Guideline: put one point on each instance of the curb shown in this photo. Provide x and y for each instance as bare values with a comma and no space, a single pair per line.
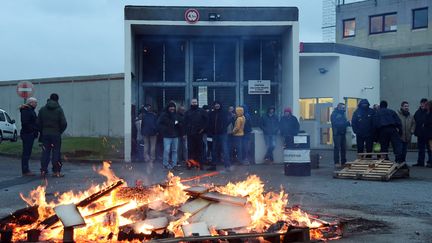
69,160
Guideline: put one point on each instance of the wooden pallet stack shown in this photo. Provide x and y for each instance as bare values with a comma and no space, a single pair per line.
372,166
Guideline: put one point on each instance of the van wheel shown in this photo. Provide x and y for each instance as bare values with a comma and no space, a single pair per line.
1,137
15,137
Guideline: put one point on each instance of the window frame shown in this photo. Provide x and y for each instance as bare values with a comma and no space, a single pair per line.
343,28
2,117
383,18
413,18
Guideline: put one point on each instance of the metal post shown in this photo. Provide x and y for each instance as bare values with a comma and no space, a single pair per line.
68,235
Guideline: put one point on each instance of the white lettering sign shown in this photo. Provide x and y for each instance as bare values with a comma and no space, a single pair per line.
297,156
259,87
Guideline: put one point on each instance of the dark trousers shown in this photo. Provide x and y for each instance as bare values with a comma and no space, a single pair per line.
27,142
195,147
423,146
246,147
364,142
289,141
404,149
237,145
220,150
339,142
51,145
389,135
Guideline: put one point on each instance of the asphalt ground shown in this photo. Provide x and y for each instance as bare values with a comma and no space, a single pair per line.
395,211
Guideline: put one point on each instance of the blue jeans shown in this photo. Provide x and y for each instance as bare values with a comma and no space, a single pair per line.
270,141
51,145
170,145
339,142
220,150
27,142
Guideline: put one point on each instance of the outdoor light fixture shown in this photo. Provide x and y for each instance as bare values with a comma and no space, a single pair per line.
322,70
214,16
368,87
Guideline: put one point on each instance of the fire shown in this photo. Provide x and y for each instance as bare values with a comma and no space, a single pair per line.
105,216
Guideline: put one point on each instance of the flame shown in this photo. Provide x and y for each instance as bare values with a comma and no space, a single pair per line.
265,209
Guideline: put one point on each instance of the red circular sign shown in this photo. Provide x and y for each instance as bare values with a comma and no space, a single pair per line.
192,16
25,89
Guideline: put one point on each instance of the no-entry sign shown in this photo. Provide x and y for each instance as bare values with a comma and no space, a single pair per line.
25,89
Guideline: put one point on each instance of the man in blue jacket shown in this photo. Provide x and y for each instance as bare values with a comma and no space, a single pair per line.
362,124
339,125
270,127
389,128
149,132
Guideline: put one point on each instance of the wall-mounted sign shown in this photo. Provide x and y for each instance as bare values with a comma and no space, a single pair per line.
192,16
259,87
202,95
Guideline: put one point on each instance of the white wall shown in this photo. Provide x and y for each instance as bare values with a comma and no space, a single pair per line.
93,105
356,73
313,83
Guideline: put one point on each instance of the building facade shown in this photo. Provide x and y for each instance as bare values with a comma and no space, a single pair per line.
401,31
210,53
329,74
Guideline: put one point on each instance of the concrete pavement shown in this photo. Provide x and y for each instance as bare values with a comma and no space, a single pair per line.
396,211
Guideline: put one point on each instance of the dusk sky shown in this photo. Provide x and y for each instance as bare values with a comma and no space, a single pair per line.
53,38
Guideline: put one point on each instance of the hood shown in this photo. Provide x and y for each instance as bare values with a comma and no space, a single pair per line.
25,107
271,107
52,105
239,111
363,102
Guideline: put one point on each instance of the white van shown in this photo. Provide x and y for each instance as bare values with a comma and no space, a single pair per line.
8,130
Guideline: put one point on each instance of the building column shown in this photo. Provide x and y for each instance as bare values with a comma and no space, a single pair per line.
128,92
291,69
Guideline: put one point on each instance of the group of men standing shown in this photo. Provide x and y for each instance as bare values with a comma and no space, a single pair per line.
47,125
384,126
223,134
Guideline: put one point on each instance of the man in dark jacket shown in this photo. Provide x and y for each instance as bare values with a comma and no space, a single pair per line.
289,127
389,129
422,143
339,125
29,131
149,133
170,128
362,125
217,129
52,123
195,121
270,127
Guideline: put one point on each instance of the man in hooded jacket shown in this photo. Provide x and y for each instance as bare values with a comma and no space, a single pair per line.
339,124
195,121
362,125
289,127
422,144
52,123
169,125
219,120
270,127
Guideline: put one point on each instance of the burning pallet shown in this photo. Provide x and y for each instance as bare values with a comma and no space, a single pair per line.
372,166
167,212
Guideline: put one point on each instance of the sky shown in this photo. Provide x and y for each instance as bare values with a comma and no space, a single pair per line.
54,38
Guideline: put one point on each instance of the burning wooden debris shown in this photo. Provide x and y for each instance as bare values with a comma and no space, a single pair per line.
167,212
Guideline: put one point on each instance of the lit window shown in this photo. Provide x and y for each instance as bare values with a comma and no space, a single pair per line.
349,28
307,109
420,18
383,23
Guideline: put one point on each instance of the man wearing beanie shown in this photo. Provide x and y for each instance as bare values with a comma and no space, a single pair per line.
52,123
29,132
